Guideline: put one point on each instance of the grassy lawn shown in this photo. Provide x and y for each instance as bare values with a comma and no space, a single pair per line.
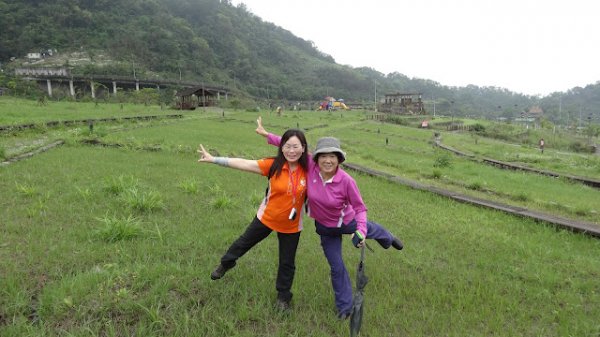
107,241
15,111
528,155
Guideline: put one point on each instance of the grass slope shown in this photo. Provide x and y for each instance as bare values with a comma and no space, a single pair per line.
118,242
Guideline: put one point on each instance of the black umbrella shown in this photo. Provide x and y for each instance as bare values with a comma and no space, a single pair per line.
357,302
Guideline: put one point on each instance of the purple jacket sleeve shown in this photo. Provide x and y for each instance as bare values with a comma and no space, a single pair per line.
355,199
273,139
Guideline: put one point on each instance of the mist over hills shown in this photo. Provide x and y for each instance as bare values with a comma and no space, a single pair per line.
216,42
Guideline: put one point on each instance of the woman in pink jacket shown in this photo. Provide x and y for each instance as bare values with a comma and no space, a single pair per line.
335,203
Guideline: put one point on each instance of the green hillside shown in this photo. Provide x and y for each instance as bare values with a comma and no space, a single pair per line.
216,42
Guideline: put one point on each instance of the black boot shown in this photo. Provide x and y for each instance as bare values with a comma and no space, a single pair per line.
284,302
219,272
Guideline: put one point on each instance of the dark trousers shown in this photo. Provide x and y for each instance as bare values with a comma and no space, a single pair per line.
288,244
331,242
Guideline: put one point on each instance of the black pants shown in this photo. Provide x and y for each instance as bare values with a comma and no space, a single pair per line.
288,244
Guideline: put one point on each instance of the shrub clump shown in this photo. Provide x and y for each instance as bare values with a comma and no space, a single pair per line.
117,185
222,201
580,147
475,186
521,197
477,127
442,161
143,201
116,229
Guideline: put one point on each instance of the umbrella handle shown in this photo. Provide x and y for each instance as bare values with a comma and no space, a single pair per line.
362,253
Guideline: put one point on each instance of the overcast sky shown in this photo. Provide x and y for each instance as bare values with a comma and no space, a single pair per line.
533,47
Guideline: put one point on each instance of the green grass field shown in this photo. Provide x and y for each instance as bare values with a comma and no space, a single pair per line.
120,241
19,111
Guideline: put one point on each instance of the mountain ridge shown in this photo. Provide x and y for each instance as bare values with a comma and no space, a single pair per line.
216,42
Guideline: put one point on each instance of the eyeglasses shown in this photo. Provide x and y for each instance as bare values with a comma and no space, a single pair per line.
295,147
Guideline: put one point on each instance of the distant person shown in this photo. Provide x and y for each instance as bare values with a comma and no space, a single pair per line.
280,211
335,203
542,143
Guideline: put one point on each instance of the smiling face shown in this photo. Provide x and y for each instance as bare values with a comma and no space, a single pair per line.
328,164
292,149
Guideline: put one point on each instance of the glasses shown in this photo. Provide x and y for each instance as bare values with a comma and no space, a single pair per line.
289,147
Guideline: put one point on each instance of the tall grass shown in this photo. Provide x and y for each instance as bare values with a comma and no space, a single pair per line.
93,266
116,229
142,201
120,184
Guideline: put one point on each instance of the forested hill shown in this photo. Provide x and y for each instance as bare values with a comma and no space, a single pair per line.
207,40
215,42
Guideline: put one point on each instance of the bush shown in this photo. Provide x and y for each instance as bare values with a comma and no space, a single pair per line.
522,196
475,186
478,127
442,161
398,120
580,147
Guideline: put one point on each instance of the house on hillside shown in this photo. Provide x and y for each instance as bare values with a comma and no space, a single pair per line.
40,55
403,103
199,96
531,117
536,112
34,56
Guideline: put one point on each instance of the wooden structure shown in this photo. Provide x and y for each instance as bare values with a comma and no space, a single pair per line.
531,117
403,103
198,96
60,72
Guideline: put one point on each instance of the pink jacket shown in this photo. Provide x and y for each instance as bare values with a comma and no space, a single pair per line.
333,203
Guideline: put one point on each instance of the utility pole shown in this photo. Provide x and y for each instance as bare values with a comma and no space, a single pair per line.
375,82
133,66
559,108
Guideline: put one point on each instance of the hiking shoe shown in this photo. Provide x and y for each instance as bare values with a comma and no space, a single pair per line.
396,243
342,316
283,305
219,272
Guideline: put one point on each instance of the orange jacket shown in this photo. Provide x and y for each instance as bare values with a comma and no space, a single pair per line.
284,193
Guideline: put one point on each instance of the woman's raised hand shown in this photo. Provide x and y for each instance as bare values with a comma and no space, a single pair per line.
205,157
260,129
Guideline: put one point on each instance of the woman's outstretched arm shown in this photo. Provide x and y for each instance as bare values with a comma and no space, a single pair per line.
236,163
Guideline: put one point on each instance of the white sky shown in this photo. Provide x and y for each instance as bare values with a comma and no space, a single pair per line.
533,47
